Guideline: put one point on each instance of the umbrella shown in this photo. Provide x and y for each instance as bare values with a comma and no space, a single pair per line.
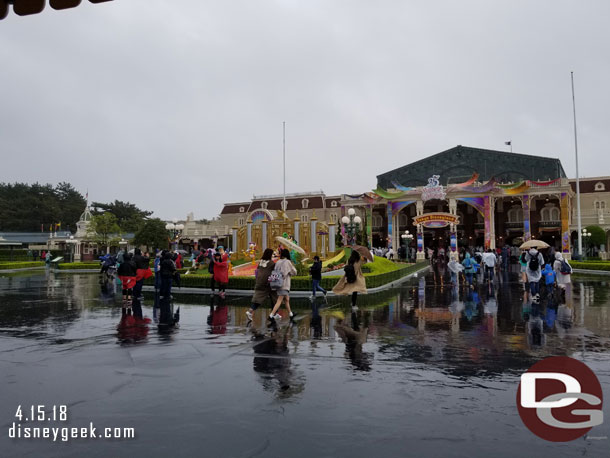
290,244
539,244
364,252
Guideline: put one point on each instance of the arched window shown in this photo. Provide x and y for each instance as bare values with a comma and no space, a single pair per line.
377,220
241,221
550,213
304,218
242,209
403,220
333,217
600,204
599,186
264,205
515,215
305,203
333,203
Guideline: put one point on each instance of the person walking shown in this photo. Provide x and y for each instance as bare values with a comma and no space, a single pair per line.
563,270
489,260
535,261
353,281
454,268
286,269
221,273
469,268
142,273
316,277
549,279
262,289
523,267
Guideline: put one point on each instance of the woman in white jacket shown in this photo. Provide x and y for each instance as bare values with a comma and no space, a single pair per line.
285,267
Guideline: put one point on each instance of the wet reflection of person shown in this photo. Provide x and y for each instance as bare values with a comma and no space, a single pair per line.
272,362
218,317
316,321
129,330
354,337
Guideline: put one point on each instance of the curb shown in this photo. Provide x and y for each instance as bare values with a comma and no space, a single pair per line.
590,271
249,292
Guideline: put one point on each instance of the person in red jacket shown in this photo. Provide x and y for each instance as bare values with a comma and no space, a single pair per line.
221,273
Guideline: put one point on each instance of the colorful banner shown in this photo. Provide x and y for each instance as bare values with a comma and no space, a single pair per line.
436,219
397,206
420,241
545,183
453,241
488,222
527,234
476,202
389,224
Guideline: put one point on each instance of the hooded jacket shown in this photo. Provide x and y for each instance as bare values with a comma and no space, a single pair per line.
549,275
468,264
534,276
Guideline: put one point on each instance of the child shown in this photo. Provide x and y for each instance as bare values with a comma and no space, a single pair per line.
549,278
316,277
221,273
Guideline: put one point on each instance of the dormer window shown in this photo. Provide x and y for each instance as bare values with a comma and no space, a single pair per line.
305,203
264,205
242,209
333,203
600,186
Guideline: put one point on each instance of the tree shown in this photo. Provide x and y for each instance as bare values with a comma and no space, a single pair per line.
152,234
104,230
598,236
129,217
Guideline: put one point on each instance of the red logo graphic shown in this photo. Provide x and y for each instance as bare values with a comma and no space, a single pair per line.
560,399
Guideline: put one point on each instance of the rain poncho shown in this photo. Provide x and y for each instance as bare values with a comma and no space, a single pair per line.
549,275
534,276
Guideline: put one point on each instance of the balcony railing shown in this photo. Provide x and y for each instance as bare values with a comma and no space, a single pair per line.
550,224
513,224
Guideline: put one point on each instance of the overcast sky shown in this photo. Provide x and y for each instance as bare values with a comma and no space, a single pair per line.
177,106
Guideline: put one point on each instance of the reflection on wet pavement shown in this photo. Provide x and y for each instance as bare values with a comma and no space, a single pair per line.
422,370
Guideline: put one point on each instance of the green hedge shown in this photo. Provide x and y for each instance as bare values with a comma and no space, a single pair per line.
298,283
585,265
79,265
20,265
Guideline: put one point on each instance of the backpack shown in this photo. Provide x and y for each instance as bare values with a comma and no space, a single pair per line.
534,265
565,267
468,263
350,273
276,279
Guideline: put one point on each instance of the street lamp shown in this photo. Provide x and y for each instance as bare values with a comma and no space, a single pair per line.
351,224
406,238
586,236
71,241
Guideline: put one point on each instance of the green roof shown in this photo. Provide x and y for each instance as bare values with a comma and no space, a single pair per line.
457,165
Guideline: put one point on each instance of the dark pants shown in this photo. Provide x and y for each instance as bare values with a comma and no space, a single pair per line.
316,287
136,307
166,287
534,287
489,273
354,298
212,283
137,290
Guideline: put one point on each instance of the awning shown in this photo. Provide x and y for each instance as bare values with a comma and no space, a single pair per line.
27,7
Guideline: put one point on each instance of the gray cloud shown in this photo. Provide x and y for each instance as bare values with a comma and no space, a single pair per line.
178,106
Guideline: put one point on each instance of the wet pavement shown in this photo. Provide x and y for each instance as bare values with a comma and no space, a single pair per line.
422,370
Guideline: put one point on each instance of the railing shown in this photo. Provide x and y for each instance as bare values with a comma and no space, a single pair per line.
513,224
549,224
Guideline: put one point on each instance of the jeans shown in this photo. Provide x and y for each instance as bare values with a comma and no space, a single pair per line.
469,278
166,287
534,288
316,287
454,278
489,272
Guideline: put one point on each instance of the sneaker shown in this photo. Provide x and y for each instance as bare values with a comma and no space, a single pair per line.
325,292
291,315
354,308
277,316
249,315
312,298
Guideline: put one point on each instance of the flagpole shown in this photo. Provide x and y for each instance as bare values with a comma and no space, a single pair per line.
577,174
284,161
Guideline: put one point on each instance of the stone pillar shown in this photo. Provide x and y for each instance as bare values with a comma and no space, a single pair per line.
264,235
527,230
331,237
390,221
234,240
314,235
565,226
249,233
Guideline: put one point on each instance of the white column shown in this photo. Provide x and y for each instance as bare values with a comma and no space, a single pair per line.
331,237
249,229
234,240
296,231
314,238
264,236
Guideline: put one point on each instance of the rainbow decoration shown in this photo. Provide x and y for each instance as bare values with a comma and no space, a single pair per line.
397,206
389,195
487,187
522,187
260,215
401,187
477,202
470,182
545,183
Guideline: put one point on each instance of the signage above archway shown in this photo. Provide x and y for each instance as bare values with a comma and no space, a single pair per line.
436,220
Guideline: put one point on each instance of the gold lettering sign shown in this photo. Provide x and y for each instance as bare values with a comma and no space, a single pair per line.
436,219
